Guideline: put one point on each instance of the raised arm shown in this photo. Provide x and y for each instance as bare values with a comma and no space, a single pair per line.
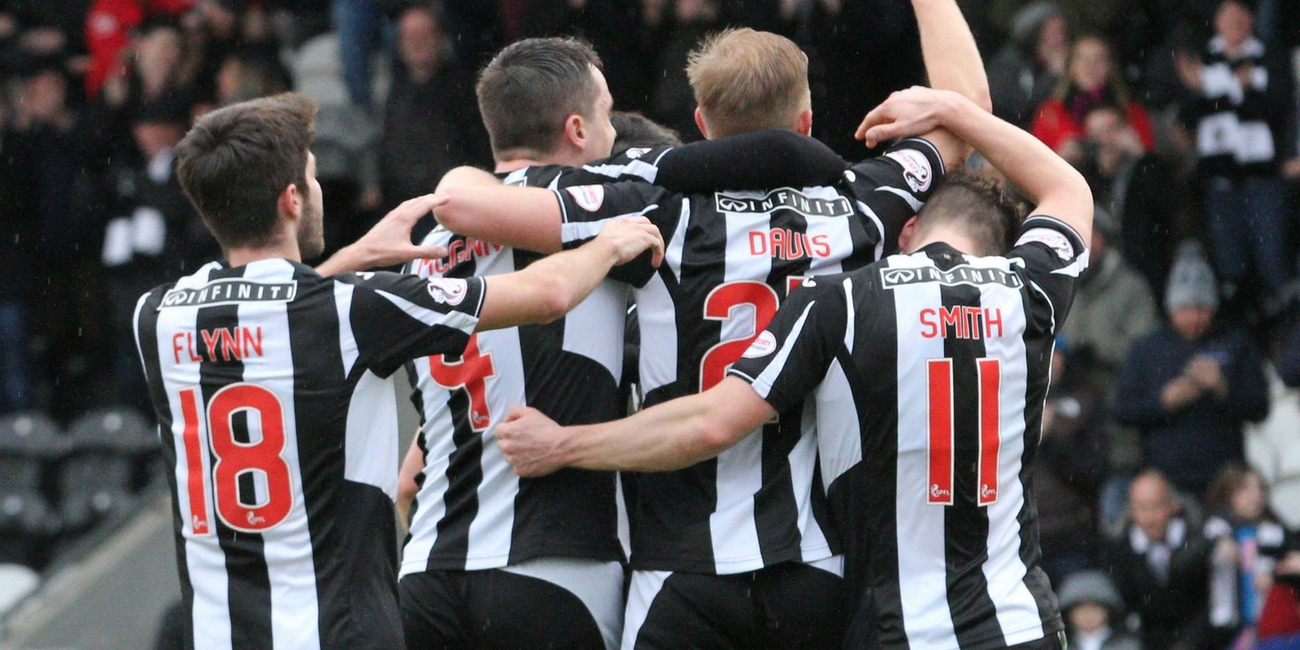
1042,176
475,204
551,287
952,62
672,435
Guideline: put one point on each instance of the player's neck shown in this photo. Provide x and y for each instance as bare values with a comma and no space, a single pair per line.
245,255
515,164
950,236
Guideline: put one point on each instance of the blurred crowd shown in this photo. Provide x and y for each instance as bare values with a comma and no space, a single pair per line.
1169,472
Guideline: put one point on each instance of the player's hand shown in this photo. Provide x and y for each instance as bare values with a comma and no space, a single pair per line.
906,113
631,236
530,441
389,241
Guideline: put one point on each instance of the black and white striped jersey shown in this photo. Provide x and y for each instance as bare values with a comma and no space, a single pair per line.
278,420
472,511
926,375
730,259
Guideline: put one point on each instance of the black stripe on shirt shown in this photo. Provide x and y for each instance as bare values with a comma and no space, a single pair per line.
248,577
966,524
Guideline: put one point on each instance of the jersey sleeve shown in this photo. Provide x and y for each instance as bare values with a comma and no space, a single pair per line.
790,358
1051,255
395,318
585,209
748,161
894,186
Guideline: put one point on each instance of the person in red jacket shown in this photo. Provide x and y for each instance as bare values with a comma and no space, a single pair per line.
1092,80
108,31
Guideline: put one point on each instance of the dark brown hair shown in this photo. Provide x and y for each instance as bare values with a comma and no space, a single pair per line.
988,210
637,130
528,90
237,160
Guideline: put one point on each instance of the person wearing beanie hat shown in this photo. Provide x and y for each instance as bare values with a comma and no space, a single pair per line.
1190,387
1191,282
1091,603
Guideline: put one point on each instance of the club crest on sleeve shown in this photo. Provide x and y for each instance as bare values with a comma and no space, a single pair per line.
450,291
763,345
1054,240
588,197
916,168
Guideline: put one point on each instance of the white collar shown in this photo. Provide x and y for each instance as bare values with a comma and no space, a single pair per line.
1173,535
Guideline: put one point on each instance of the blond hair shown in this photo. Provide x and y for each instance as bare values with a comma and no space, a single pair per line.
745,80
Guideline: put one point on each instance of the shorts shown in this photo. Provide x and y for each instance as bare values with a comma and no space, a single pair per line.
789,605
541,603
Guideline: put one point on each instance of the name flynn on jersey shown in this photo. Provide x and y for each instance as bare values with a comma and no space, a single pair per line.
222,344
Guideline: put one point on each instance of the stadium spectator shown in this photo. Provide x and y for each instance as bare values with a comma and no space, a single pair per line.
1094,613
1160,562
109,24
1249,544
1190,386
1146,202
249,74
154,235
431,120
56,153
346,146
1029,67
1073,461
1240,120
1097,339
1093,79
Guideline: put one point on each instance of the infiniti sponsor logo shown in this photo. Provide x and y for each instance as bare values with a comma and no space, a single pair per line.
957,275
226,292
785,198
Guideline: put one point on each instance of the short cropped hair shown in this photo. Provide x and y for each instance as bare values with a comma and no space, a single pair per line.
237,160
527,91
637,130
745,80
987,210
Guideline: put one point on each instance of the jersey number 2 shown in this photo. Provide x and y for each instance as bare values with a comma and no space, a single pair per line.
251,480
720,305
940,426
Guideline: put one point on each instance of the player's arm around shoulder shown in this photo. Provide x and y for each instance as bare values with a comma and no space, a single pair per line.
476,204
673,435
553,286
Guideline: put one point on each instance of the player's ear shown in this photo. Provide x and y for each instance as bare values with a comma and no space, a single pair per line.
699,122
575,131
290,202
907,235
803,124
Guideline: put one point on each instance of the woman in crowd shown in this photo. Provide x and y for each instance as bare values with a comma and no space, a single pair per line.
1092,80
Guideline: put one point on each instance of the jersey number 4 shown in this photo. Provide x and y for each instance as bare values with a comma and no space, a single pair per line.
470,373
251,479
940,420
